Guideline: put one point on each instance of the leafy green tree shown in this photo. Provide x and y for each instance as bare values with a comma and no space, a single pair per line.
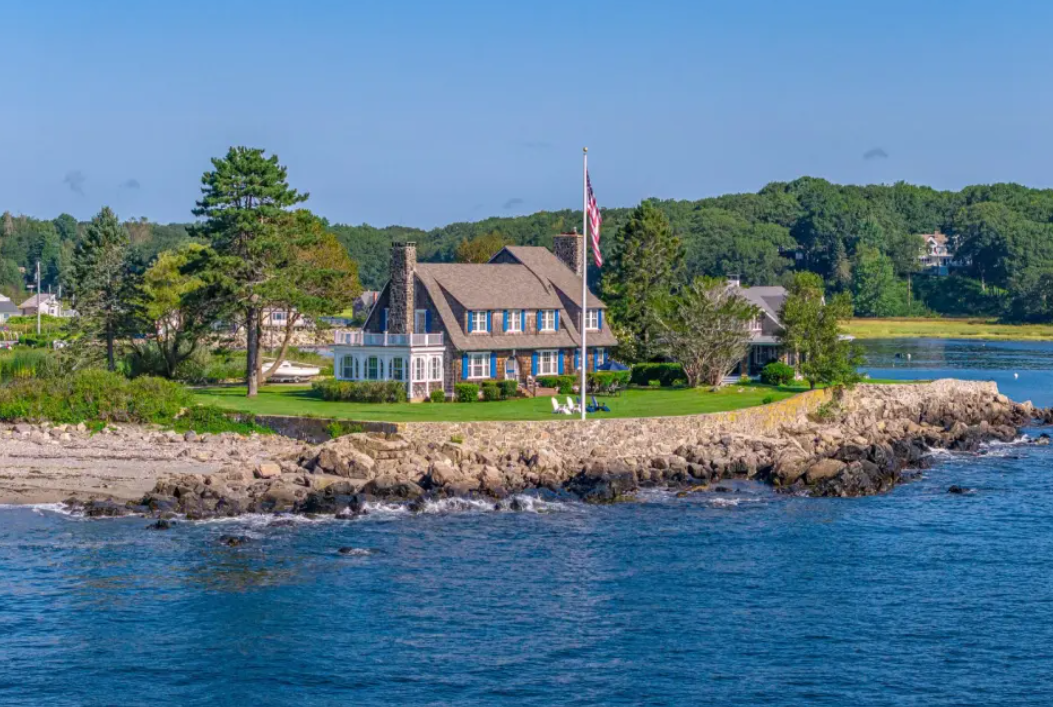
1032,299
319,279
705,328
66,226
643,265
985,234
175,313
244,201
481,248
874,287
812,330
103,285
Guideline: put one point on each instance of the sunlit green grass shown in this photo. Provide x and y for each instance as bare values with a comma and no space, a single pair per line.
987,329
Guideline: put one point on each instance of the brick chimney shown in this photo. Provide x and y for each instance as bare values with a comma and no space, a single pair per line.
567,247
401,295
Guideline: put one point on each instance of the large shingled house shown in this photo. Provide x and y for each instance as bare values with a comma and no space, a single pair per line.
515,317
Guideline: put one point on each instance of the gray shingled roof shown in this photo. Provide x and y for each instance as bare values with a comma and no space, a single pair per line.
32,301
535,284
8,307
491,285
770,299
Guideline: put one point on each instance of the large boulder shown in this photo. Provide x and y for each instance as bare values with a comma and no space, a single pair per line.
823,469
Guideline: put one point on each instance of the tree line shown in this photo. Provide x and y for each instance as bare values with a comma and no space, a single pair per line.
862,240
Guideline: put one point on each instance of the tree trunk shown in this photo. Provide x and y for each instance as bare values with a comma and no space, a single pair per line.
290,326
252,352
111,363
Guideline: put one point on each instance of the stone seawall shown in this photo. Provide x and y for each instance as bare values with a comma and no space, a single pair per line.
633,436
864,441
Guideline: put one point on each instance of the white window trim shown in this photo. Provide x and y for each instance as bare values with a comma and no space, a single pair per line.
472,358
420,316
547,314
435,368
515,321
541,363
420,369
475,324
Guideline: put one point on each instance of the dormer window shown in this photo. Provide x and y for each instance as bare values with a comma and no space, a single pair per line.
592,320
478,322
546,320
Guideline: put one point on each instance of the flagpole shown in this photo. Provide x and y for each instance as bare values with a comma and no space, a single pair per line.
584,271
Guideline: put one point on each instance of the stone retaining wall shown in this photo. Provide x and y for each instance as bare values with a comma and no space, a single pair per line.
617,436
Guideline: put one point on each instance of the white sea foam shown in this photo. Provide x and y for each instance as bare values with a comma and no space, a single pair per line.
39,508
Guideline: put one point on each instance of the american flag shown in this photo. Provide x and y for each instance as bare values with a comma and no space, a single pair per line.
594,222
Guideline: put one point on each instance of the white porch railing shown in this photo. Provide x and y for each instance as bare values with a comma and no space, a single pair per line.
366,338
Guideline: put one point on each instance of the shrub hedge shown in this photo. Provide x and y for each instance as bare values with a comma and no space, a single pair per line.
603,379
91,395
667,374
466,392
360,391
777,373
509,388
437,396
565,384
491,391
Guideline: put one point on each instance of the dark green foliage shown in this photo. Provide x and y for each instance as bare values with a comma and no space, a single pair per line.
813,331
44,340
777,373
491,391
360,391
340,428
959,296
92,395
564,384
667,374
509,388
216,420
437,396
465,392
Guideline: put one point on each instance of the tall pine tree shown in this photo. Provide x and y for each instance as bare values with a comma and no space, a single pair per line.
103,283
243,201
644,264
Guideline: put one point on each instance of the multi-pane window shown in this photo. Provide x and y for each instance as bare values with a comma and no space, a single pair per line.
515,321
278,317
547,363
477,322
479,365
548,320
418,368
436,368
420,321
398,369
349,367
373,368
592,319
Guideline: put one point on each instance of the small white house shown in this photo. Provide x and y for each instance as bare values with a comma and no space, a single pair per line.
48,304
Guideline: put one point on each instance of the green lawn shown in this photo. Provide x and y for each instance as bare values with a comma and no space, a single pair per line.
987,329
299,401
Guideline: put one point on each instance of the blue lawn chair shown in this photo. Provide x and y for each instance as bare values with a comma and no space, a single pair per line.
598,406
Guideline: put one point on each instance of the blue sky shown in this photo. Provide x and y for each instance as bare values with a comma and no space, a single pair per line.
422,113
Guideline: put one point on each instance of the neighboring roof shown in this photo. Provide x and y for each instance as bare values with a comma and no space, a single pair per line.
939,238
546,266
770,299
35,300
492,285
8,307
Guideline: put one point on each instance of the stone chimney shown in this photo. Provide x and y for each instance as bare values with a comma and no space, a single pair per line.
567,247
401,294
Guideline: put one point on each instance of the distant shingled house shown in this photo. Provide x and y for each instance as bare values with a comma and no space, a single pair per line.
765,329
515,317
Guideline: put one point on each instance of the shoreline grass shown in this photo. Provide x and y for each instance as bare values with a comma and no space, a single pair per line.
300,401
975,328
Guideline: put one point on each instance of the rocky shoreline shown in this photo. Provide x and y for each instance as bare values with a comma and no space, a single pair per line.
863,443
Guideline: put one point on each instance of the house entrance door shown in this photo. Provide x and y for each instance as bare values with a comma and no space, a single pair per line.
511,369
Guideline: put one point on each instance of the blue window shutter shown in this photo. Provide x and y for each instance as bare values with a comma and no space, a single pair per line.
577,359
493,364
522,320
556,319
595,359
533,364
489,320
559,357
427,321
469,322
384,319
537,324
505,321
464,366
599,318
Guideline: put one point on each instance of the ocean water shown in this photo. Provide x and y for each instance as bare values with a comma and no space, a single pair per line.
917,597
